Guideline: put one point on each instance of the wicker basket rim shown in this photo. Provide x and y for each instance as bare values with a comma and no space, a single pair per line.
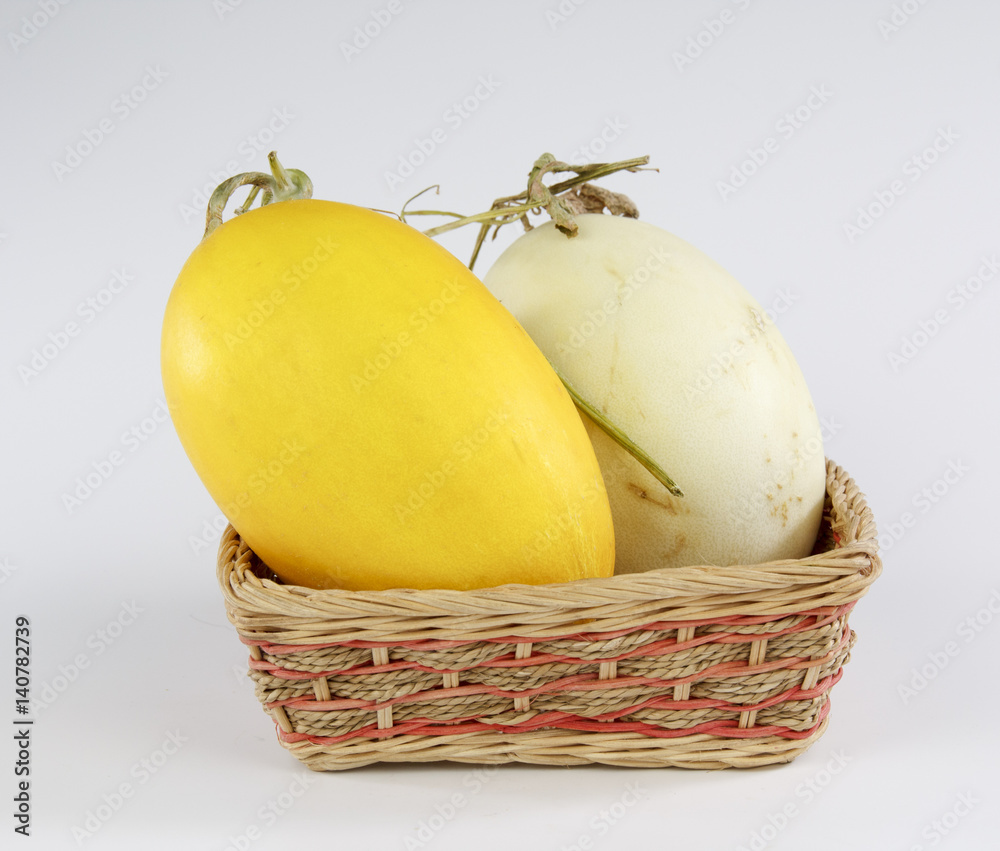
847,571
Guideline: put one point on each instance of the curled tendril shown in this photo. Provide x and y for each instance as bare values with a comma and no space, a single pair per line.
280,185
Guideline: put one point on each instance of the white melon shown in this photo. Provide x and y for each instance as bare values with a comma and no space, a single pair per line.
676,353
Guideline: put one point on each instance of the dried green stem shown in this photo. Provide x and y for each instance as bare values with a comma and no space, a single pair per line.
620,437
280,185
538,196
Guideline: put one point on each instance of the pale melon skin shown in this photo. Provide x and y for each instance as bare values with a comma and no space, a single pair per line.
674,351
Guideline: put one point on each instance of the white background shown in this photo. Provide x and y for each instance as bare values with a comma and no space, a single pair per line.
216,76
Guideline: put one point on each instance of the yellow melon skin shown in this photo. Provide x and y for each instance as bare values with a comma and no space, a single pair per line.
367,414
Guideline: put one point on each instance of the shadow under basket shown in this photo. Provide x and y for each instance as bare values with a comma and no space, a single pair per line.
695,667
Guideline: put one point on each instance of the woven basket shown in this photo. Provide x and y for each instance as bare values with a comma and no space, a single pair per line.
698,667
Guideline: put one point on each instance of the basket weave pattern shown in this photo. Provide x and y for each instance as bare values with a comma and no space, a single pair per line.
703,667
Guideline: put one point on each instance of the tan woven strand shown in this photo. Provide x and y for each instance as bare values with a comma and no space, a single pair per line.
282,719
683,691
758,652
321,688
561,748
608,670
695,667
522,704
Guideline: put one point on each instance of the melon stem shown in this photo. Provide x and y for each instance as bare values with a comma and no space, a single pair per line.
538,196
619,437
280,185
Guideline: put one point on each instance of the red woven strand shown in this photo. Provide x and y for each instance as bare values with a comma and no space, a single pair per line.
510,661
420,727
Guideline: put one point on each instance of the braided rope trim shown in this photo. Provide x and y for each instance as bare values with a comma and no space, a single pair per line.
421,727
561,720
810,620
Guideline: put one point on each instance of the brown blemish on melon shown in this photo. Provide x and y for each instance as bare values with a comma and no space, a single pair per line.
679,543
640,492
